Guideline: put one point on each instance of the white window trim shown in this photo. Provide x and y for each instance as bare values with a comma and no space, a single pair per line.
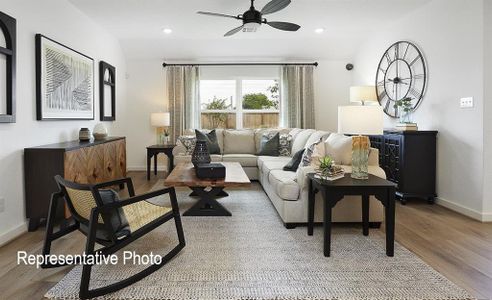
239,111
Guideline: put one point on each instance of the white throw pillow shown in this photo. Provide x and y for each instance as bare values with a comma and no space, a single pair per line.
300,139
339,148
313,153
316,136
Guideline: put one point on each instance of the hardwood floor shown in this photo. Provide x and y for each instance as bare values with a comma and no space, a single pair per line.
456,246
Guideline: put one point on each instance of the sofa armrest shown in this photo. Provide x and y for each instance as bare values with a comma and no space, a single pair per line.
180,149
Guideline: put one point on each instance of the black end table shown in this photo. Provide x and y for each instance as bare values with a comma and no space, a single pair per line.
154,150
334,191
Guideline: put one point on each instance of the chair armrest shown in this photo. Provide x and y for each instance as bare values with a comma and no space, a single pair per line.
126,180
301,176
134,199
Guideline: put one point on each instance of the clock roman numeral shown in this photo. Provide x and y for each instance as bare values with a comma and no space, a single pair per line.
382,95
388,58
397,51
381,83
415,93
418,76
387,105
414,60
406,51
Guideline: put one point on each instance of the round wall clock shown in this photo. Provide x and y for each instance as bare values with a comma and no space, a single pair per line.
401,74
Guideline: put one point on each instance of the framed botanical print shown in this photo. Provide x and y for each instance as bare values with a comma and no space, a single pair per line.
64,82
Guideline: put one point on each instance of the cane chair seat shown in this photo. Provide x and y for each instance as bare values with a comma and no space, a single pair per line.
142,213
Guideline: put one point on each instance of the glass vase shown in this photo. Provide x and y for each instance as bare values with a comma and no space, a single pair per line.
200,154
405,117
360,157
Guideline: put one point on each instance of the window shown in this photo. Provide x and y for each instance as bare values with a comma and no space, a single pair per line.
240,103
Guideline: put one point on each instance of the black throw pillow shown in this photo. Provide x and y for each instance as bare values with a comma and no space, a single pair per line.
211,140
269,145
293,164
117,218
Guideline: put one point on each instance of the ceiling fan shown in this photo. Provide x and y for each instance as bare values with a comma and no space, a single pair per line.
252,18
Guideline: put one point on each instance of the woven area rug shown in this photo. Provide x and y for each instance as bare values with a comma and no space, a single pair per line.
252,256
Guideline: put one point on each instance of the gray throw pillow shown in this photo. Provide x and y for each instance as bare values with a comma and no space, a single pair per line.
293,164
211,140
269,145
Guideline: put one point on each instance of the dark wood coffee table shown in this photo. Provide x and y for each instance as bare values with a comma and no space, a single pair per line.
334,191
206,189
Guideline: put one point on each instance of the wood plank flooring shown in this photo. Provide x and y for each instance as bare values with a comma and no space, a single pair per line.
455,245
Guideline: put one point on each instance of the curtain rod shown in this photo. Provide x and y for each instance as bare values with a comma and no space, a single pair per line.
243,64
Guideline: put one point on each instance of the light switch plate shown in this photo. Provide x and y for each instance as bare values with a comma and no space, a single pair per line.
466,102
2,205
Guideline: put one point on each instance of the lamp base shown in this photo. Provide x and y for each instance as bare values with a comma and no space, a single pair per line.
360,157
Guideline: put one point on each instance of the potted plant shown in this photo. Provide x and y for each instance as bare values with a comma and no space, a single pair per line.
325,165
406,106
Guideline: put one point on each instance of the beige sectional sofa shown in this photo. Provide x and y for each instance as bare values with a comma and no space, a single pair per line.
287,190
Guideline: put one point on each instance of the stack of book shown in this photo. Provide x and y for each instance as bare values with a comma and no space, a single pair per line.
335,172
407,126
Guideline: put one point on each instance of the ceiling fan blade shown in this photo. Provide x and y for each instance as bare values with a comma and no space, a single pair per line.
234,31
274,6
284,26
216,14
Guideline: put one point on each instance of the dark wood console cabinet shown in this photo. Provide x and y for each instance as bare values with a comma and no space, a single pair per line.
82,162
409,160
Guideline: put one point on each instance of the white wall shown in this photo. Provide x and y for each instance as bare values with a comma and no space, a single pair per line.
450,34
487,112
146,94
62,22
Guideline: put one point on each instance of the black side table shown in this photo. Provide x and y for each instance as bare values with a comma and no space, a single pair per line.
334,191
154,150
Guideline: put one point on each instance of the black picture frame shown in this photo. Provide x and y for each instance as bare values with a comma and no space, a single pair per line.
8,27
41,113
104,82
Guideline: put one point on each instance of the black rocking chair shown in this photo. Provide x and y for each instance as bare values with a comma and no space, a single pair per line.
96,219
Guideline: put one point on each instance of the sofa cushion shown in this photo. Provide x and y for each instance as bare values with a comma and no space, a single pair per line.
187,158
246,160
211,140
284,184
269,144
316,136
269,165
293,164
262,159
300,139
339,147
239,142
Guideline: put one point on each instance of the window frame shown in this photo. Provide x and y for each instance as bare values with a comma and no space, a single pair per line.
239,111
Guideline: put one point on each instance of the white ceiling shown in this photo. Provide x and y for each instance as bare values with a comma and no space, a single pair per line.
138,25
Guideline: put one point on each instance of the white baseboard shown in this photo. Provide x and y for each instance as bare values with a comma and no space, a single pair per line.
13,233
144,168
474,214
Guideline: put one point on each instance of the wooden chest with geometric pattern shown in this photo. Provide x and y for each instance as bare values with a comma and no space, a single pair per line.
81,162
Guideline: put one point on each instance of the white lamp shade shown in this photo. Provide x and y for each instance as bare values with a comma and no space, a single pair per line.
365,93
160,119
363,120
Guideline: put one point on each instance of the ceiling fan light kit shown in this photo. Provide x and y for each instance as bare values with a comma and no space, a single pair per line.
252,18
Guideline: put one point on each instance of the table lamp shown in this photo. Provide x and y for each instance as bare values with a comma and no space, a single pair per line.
363,94
161,121
360,121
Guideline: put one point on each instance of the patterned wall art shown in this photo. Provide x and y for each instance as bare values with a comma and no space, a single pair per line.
64,82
